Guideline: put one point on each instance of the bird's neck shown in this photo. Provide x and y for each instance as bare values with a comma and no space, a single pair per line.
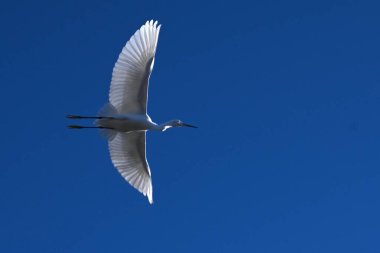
162,127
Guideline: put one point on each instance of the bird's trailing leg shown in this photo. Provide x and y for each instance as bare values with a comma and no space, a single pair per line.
87,117
81,127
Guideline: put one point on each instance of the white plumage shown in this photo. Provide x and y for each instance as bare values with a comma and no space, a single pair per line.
129,157
124,121
129,94
130,77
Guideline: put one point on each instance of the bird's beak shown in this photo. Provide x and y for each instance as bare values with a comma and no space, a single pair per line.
188,125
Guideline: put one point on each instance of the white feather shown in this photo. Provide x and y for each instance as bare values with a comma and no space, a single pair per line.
130,77
128,154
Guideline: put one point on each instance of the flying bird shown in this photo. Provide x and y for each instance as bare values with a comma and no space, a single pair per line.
124,121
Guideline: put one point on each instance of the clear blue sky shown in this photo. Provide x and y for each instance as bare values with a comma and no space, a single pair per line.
286,159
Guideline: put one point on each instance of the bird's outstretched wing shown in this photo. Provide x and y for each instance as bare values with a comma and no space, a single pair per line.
129,157
130,76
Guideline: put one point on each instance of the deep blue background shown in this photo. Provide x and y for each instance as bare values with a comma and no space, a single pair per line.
286,159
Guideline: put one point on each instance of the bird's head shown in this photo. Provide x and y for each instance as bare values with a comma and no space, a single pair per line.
176,123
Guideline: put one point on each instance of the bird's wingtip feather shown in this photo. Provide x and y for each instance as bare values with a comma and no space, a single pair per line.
149,194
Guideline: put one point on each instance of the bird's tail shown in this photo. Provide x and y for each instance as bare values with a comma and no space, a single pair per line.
107,111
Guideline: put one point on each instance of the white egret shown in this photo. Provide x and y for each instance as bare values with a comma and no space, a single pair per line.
124,120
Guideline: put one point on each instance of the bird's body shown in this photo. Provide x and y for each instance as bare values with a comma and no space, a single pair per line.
124,120
128,122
